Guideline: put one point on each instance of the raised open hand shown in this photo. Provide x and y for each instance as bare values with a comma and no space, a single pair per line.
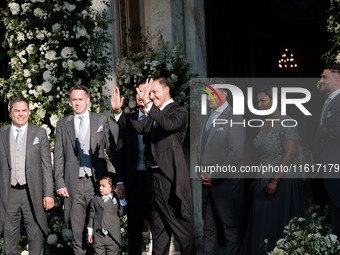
145,94
116,101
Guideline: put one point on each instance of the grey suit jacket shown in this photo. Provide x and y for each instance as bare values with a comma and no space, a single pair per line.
66,156
109,213
38,167
224,146
328,146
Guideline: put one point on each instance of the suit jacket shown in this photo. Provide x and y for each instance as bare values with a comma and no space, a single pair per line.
66,155
164,141
109,213
127,147
38,168
328,145
224,146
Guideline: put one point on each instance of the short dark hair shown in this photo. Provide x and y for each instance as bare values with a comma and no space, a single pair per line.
334,68
15,100
111,177
162,81
80,87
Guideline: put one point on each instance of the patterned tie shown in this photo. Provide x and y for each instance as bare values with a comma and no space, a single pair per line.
142,117
17,139
82,129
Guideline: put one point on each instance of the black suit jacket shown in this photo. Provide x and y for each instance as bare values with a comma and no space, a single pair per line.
164,141
328,146
127,148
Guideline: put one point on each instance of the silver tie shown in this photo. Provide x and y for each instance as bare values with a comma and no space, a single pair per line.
82,128
18,138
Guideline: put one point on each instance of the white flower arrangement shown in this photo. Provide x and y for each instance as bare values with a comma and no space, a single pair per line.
333,28
147,63
53,47
310,235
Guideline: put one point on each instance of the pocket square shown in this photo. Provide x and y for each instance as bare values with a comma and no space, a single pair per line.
329,114
36,140
100,129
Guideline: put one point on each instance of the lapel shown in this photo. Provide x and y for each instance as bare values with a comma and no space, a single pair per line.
101,201
6,136
29,143
226,114
92,127
71,130
329,106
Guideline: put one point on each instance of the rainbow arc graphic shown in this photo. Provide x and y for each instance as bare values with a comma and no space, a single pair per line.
204,97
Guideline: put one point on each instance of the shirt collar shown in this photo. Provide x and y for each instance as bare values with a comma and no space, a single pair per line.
166,103
23,128
86,114
334,94
220,109
140,113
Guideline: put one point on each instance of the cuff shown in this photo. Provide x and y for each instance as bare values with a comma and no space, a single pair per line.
90,231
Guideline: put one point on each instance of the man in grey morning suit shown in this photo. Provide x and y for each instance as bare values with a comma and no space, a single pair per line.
79,160
222,197
26,180
164,130
328,139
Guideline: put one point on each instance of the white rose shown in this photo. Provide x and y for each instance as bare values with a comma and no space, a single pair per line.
51,55
40,36
56,27
41,1
46,86
70,64
127,110
79,65
54,119
41,112
52,239
77,81
15,8
24,252
30,49
66,52
47,76
81,31
38,12
48,130
27,73
20,37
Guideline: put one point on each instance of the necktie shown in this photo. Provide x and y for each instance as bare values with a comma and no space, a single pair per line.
82,129
142,117
17,139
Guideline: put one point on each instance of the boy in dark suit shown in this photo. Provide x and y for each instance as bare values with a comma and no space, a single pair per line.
104,223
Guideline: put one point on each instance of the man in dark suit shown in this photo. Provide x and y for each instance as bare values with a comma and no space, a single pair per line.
328,139
130,144
79,160
165,129
222,197
26,180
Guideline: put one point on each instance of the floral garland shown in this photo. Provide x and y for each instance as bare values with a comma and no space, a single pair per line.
54,45
333,27
147,63
310,235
